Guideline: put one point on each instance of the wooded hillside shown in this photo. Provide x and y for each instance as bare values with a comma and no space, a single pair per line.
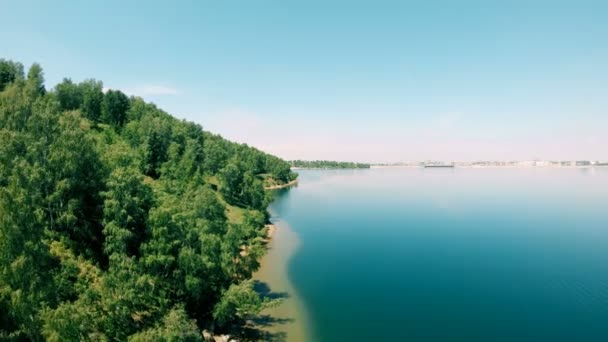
119,221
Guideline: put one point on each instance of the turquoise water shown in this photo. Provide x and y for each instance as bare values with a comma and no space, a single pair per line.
451,254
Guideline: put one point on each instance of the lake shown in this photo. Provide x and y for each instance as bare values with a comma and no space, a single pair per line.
414,254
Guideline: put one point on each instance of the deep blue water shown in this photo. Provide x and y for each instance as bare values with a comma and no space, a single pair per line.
451,254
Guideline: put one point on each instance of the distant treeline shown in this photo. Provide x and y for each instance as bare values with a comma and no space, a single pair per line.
120,222
327,164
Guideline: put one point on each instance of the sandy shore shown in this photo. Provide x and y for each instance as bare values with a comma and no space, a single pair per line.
270,229
286,322
286,185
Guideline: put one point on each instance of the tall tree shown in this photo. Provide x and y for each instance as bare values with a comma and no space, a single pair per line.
92,98
126,206
69,95
9,72
35,81
114,108
231,177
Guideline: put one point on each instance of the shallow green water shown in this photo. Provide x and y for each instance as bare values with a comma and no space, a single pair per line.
451,254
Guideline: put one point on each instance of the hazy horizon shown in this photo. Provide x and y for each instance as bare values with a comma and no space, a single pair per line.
346,80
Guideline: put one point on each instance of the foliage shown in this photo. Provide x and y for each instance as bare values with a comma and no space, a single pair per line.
174,327
110,228
114,108
241,301
92,98
10,72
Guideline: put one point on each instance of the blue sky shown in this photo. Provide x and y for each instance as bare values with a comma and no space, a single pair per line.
345,80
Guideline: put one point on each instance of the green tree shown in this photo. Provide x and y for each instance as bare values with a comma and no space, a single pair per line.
126,206
10,72
231,178
110,305
69,95
92,98
216,154
252,191
239,302
116,234
174,327
35,81
114,108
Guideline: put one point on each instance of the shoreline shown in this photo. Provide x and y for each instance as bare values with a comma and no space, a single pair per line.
330,168
270,229
282,186
489,167
287,321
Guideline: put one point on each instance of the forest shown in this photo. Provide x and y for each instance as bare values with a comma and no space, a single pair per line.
327,164
121,222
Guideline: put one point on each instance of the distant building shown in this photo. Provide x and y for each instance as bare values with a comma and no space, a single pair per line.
527,163
542,163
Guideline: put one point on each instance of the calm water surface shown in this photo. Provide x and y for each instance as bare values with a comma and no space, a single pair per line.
451,254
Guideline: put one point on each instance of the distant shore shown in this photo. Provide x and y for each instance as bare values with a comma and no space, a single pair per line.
330,168
492,167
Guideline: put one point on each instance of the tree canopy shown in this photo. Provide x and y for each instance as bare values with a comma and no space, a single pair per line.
115,217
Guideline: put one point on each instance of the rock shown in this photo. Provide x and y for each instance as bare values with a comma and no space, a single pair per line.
221,338
207,336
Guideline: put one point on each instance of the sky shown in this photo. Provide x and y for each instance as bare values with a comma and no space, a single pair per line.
368,81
